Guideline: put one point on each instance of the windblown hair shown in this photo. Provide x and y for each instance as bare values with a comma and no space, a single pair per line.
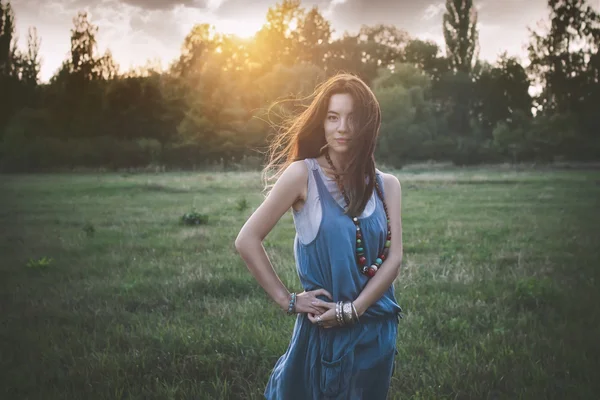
304,137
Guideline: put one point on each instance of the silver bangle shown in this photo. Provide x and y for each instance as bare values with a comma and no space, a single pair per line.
355,313
347,312
338,313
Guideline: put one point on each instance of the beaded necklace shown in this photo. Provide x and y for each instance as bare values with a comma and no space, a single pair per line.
360,248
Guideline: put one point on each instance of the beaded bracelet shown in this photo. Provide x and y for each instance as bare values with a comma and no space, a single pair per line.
292,307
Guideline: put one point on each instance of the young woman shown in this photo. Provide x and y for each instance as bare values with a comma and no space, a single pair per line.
348,248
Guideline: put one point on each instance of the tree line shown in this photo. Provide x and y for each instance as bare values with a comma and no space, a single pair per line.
223,97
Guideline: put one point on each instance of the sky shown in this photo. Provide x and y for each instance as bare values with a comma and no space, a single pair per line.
137,31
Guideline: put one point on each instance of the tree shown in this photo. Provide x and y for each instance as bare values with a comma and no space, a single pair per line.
30,61
76,92
425,55
565,59
83,46
461,35
500,92
8,42
381,47
411,129
373,48
197,47
314,34
10,93
345,54
455,88
278,41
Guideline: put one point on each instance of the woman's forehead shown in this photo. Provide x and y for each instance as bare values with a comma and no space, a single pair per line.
341,103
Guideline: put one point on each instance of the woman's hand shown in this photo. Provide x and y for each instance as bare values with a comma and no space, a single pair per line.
307,302
327,319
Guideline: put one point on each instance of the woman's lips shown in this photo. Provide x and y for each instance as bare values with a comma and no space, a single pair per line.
342,141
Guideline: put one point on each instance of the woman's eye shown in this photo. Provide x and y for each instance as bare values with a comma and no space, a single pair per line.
332,118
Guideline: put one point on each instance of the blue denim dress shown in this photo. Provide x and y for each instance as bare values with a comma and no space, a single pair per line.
354,362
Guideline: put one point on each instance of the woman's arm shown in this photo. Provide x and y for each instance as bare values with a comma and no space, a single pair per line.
286,191
390,268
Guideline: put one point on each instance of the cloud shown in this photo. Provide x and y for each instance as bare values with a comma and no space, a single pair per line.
166,4
329,10
433,10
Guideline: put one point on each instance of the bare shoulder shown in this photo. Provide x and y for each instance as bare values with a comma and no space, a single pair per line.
295,175
293,182
390,183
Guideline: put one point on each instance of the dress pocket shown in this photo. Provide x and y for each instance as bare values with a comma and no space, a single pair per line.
336,374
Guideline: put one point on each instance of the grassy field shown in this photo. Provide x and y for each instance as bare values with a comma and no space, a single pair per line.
499,287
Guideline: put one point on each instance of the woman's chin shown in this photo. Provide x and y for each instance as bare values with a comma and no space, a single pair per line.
341,147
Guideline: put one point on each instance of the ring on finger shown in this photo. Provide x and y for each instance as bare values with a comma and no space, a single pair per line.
319,322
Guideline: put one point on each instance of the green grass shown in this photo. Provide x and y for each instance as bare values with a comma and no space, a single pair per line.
499,287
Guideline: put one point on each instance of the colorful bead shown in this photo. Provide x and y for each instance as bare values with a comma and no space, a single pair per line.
362,261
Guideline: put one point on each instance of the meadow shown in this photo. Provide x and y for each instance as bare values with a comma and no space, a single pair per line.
106,295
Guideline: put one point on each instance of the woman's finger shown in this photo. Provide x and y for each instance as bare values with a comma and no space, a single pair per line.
323,292
323,304
312,318
317,310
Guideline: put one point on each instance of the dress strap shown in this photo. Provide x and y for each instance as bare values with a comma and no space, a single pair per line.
326,198
379,180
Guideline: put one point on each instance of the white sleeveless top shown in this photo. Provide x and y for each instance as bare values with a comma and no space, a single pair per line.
308,219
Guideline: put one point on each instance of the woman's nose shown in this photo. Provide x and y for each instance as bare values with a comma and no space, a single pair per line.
343,127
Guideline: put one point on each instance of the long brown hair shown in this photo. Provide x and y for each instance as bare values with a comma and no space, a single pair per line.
304,137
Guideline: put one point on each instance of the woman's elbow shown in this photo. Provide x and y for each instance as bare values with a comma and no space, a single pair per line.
242,241
396,262
239,243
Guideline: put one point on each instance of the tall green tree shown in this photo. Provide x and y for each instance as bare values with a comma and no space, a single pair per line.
564,60
8,43
30,60
461,35
10,96
456,88
76,92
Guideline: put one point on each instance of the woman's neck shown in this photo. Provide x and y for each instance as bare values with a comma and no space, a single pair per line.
338,160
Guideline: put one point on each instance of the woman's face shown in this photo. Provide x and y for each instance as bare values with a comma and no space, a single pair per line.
338,122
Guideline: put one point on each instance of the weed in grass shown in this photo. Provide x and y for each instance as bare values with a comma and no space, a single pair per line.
41,263
194,218
241,204
89,229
